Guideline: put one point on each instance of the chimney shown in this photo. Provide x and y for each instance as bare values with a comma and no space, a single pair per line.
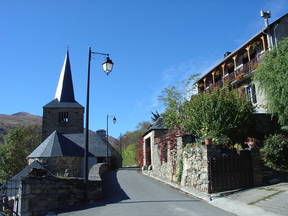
266,15
101,133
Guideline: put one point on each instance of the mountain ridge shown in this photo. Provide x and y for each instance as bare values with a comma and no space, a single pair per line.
8,122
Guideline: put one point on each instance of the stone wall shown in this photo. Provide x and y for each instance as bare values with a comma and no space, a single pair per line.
170,169
62,166
208,168
195,168
51,122
40,194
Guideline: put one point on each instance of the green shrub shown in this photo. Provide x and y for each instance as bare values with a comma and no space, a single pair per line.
129,155
221,114
275,152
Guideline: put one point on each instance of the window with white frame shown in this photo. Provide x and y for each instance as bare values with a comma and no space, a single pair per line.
251,94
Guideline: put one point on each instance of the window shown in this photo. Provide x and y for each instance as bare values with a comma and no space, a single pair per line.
251,94
63,117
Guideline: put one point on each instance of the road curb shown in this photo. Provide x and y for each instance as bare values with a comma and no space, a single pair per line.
229,205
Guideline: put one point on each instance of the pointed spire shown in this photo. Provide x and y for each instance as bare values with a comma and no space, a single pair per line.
65,91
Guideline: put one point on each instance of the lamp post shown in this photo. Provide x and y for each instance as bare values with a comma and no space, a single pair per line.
107,135
107,67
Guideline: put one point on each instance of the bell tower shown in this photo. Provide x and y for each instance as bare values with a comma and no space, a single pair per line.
64,113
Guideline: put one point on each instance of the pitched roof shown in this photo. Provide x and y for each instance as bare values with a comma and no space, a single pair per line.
97,143
24,172
157,125
13,184
56,104
57,145
65,91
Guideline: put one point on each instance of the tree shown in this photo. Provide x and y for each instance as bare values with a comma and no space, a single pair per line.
18,144
129,156
174,97
130,140
271,77
219,114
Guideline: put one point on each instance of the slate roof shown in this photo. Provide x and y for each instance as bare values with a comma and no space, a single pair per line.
56,104
24,172
157,125
65,91
57,145
13,184
97,143
64,96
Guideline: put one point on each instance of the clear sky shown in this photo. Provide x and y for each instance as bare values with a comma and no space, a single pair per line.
153,43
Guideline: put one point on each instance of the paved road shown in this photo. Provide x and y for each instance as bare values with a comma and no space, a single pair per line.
128,193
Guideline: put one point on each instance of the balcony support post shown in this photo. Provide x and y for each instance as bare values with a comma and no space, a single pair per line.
204,81
223,69
213,77
263,42
248,51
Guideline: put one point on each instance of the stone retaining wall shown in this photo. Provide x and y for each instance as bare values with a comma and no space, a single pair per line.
209,168
195,168
41,193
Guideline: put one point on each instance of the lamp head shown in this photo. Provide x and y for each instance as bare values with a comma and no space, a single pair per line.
108,65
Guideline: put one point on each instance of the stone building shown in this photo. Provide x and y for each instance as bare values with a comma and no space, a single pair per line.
61,153
151,138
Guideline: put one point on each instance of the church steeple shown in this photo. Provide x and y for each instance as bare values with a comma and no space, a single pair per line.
63,113
65,91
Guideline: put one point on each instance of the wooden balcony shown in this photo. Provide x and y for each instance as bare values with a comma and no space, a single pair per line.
237,75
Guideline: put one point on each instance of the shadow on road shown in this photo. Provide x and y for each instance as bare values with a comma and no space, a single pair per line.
112,193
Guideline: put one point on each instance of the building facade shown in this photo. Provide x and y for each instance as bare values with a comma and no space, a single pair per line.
237,67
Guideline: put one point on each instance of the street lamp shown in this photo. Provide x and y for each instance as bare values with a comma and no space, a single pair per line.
107,67
107,133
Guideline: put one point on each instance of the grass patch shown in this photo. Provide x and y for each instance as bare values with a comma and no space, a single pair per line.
267,189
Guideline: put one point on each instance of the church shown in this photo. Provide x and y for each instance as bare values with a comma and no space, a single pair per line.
61,153
62,149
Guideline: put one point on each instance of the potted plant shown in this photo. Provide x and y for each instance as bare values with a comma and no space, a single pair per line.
251,142
208,140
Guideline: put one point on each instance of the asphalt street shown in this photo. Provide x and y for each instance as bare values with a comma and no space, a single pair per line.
129,193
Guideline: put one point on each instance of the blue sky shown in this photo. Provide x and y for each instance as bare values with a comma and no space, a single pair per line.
153,43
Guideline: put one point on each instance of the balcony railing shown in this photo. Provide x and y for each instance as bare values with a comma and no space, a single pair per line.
238,73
